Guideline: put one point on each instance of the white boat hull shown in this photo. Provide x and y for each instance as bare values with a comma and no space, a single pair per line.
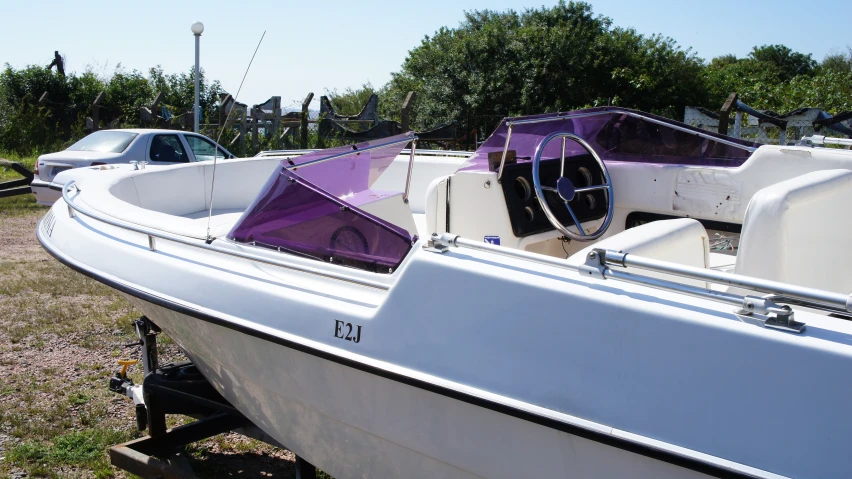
357,424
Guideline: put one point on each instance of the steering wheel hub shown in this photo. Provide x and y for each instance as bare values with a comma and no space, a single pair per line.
565,188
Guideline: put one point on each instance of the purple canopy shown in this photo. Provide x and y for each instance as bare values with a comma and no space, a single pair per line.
303,210
616,134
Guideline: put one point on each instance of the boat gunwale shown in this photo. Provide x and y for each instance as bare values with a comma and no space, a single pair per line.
590,430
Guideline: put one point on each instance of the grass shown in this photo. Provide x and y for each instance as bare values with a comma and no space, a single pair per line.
60,336
21,205
7,173
84,449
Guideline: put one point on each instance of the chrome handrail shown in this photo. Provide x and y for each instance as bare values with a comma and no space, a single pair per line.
405,151
779,291
350,153
512,123
843,302
824,140
410,170
199,242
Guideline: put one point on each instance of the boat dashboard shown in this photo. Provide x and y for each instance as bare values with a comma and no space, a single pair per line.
525,212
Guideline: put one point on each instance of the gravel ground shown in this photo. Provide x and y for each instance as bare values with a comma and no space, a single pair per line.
60,337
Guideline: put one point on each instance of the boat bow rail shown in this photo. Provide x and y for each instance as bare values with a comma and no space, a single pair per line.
599,261
200,242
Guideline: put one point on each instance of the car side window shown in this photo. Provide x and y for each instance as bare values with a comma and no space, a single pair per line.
168,149
202,148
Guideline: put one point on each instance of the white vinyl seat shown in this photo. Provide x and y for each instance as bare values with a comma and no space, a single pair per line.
797,232
683,241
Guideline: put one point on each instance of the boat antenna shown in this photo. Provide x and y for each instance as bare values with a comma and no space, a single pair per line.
216,156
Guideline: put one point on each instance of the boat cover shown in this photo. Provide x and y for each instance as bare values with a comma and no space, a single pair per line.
305,210
616,135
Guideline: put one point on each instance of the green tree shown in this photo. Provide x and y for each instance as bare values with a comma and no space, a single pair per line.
28,126
838,62
497,64
788,62
351,100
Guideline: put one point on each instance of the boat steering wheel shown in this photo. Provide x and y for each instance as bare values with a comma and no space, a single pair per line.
568,192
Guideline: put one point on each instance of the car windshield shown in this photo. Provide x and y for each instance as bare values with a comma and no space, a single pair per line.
105,142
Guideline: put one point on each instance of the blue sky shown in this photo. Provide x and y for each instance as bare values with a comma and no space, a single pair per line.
325,45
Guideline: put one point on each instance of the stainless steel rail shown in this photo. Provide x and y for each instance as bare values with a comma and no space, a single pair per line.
406,151
199,242
410,170
350,153
824,140
458,241
778,291
843,302
512,123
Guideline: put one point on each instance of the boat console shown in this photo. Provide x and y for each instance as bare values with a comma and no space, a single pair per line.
522,205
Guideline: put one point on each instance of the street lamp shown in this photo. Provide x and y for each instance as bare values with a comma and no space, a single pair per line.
197,28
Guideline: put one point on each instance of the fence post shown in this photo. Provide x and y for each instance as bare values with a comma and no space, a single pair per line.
303,124
405,113
92,122
738,124
243,121
223,106
729,104
276,121
256,119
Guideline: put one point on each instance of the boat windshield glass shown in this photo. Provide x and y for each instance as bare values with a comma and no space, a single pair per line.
105,141
313,210
616,134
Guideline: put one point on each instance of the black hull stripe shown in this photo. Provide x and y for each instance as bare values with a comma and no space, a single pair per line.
686,462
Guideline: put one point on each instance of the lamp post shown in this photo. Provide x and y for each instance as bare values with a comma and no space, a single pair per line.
197,29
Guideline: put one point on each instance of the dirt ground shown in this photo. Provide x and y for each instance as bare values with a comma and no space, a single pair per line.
61,335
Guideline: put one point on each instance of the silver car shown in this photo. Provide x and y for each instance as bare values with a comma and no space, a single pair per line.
155,147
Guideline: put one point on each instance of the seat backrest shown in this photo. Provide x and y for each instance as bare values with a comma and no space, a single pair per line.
683,241
797,232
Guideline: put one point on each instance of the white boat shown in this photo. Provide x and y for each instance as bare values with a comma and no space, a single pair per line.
446,317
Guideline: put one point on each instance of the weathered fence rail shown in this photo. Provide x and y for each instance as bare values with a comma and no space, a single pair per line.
16,187
763,126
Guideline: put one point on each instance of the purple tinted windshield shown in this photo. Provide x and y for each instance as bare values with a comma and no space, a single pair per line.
616,135
351,173
308,216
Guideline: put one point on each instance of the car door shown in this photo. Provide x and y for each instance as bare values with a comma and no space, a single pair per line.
167,148
203,149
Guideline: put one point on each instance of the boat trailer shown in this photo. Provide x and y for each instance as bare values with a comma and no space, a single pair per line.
16,187
175,389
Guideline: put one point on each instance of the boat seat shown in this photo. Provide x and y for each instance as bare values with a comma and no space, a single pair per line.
797,232
683,241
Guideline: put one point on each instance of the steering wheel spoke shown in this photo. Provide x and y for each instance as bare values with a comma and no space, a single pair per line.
566,190
587,189
576,221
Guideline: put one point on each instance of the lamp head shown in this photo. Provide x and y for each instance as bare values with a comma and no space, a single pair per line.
197,28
